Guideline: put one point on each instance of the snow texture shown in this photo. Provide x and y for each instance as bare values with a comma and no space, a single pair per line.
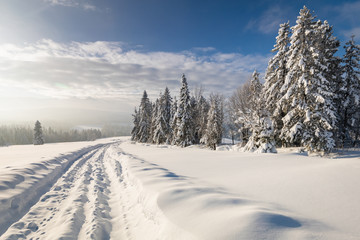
115,189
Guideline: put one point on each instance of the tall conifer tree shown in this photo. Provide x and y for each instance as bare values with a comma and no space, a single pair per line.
135,130
258,120
275,78
162,130
145,119
184,135
213,132
350,91
307,96
38,134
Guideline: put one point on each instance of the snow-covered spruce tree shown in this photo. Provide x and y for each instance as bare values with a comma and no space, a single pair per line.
350,91
248,105
241,106
174,107
203,109
219,104
308,95
154,112
145,119
162,130
184,135
262,135
135,130
38,134
200,112
340,132
194,115
275,78
321,113
168,113
259,122
231,125
255,99
331,75
213,131
218,101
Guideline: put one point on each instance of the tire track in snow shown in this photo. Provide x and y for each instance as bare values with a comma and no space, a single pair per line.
97,224
119,211
31,181
97,198
60,213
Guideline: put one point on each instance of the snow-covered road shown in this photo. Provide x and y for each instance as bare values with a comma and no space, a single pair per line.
92,199
121,190
77,206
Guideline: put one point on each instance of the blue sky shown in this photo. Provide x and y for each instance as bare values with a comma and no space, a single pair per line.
167,25
101,54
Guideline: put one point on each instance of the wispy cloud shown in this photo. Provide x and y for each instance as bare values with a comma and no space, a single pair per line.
269,21
350,12
104,70
355,31
347,14
73,3
204,49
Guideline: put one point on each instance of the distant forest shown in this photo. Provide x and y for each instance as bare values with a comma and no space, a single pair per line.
17,135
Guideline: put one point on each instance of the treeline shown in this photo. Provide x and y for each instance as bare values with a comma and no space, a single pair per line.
311,98
17,135
189,120
115,130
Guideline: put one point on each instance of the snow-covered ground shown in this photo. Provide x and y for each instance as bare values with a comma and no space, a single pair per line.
115,189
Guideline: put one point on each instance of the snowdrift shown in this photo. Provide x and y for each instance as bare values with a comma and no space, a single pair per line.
211,212
235,195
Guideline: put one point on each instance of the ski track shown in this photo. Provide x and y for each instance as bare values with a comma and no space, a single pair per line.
91,200
77,206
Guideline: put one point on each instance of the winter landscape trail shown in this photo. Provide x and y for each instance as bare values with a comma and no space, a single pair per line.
120,190
76,206
90,200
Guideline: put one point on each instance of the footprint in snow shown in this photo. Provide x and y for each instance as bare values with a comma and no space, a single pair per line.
32,226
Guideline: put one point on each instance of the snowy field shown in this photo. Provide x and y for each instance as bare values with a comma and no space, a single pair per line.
115,189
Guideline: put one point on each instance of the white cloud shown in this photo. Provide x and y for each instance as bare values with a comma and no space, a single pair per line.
103,70
72,3
269,21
